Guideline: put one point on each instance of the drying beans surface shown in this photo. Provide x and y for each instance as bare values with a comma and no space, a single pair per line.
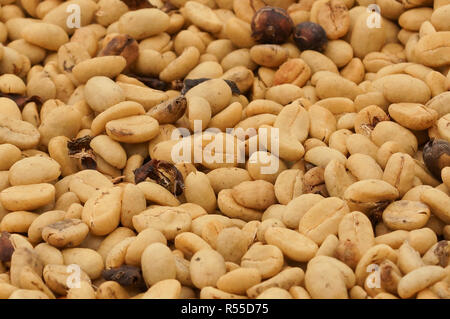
222,149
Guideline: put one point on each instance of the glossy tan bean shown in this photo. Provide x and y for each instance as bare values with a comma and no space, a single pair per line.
27,197
257,257
158,263
239,280
102,211
211,261
294,245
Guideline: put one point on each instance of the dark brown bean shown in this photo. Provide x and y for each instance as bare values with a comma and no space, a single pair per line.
271,25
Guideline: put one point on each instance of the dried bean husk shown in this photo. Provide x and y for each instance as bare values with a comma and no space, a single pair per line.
80,148
164,173
6,247
125,275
